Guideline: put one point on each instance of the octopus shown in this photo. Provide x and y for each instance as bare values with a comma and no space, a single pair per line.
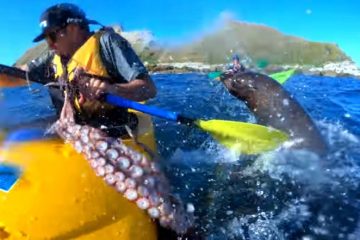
137,177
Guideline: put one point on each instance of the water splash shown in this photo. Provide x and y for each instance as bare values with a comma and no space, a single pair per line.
284,194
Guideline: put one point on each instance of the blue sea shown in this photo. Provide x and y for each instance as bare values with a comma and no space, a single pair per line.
277,195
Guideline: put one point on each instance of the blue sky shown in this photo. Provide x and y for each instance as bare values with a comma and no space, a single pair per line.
334,21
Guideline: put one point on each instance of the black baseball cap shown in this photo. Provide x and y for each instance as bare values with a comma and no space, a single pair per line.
60,15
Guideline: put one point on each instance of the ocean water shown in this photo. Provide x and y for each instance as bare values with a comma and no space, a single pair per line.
276,195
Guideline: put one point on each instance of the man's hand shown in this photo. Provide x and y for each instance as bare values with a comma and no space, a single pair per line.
90,88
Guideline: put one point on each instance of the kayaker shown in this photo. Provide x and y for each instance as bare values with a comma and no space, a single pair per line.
74,48
236,66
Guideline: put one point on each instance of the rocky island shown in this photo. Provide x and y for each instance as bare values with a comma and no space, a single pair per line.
261,48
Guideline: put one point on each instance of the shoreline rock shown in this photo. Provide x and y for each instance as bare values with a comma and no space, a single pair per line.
345,68
332,69
179,67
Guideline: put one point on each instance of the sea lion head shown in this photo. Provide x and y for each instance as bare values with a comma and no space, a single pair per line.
239,85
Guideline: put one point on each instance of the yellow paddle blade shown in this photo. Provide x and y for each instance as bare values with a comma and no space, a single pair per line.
246,138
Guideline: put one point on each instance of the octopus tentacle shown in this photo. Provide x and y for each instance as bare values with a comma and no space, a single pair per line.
138,178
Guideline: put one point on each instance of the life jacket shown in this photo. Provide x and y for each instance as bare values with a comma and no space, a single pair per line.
88,58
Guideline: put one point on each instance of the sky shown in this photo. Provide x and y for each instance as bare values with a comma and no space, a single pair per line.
332,21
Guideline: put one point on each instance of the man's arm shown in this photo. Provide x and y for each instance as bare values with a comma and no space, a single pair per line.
132,80
139,89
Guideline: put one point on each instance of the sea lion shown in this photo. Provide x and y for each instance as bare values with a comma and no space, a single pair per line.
273,106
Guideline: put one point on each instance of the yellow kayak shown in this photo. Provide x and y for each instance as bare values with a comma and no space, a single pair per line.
58,196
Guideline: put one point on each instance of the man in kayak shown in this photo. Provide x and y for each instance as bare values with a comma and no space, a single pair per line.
236,66
104,59
95,64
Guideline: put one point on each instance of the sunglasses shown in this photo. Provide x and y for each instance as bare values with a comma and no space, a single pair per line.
53,35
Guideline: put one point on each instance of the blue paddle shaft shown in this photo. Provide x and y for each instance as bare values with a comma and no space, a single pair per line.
151,110
112,99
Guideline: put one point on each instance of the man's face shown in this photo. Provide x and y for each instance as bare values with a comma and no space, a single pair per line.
59,40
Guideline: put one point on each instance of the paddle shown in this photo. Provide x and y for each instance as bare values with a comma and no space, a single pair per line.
12,77
280,77
283,76
241,137
238,136
214,75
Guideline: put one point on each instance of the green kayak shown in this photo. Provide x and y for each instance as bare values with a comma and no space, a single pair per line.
281,77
